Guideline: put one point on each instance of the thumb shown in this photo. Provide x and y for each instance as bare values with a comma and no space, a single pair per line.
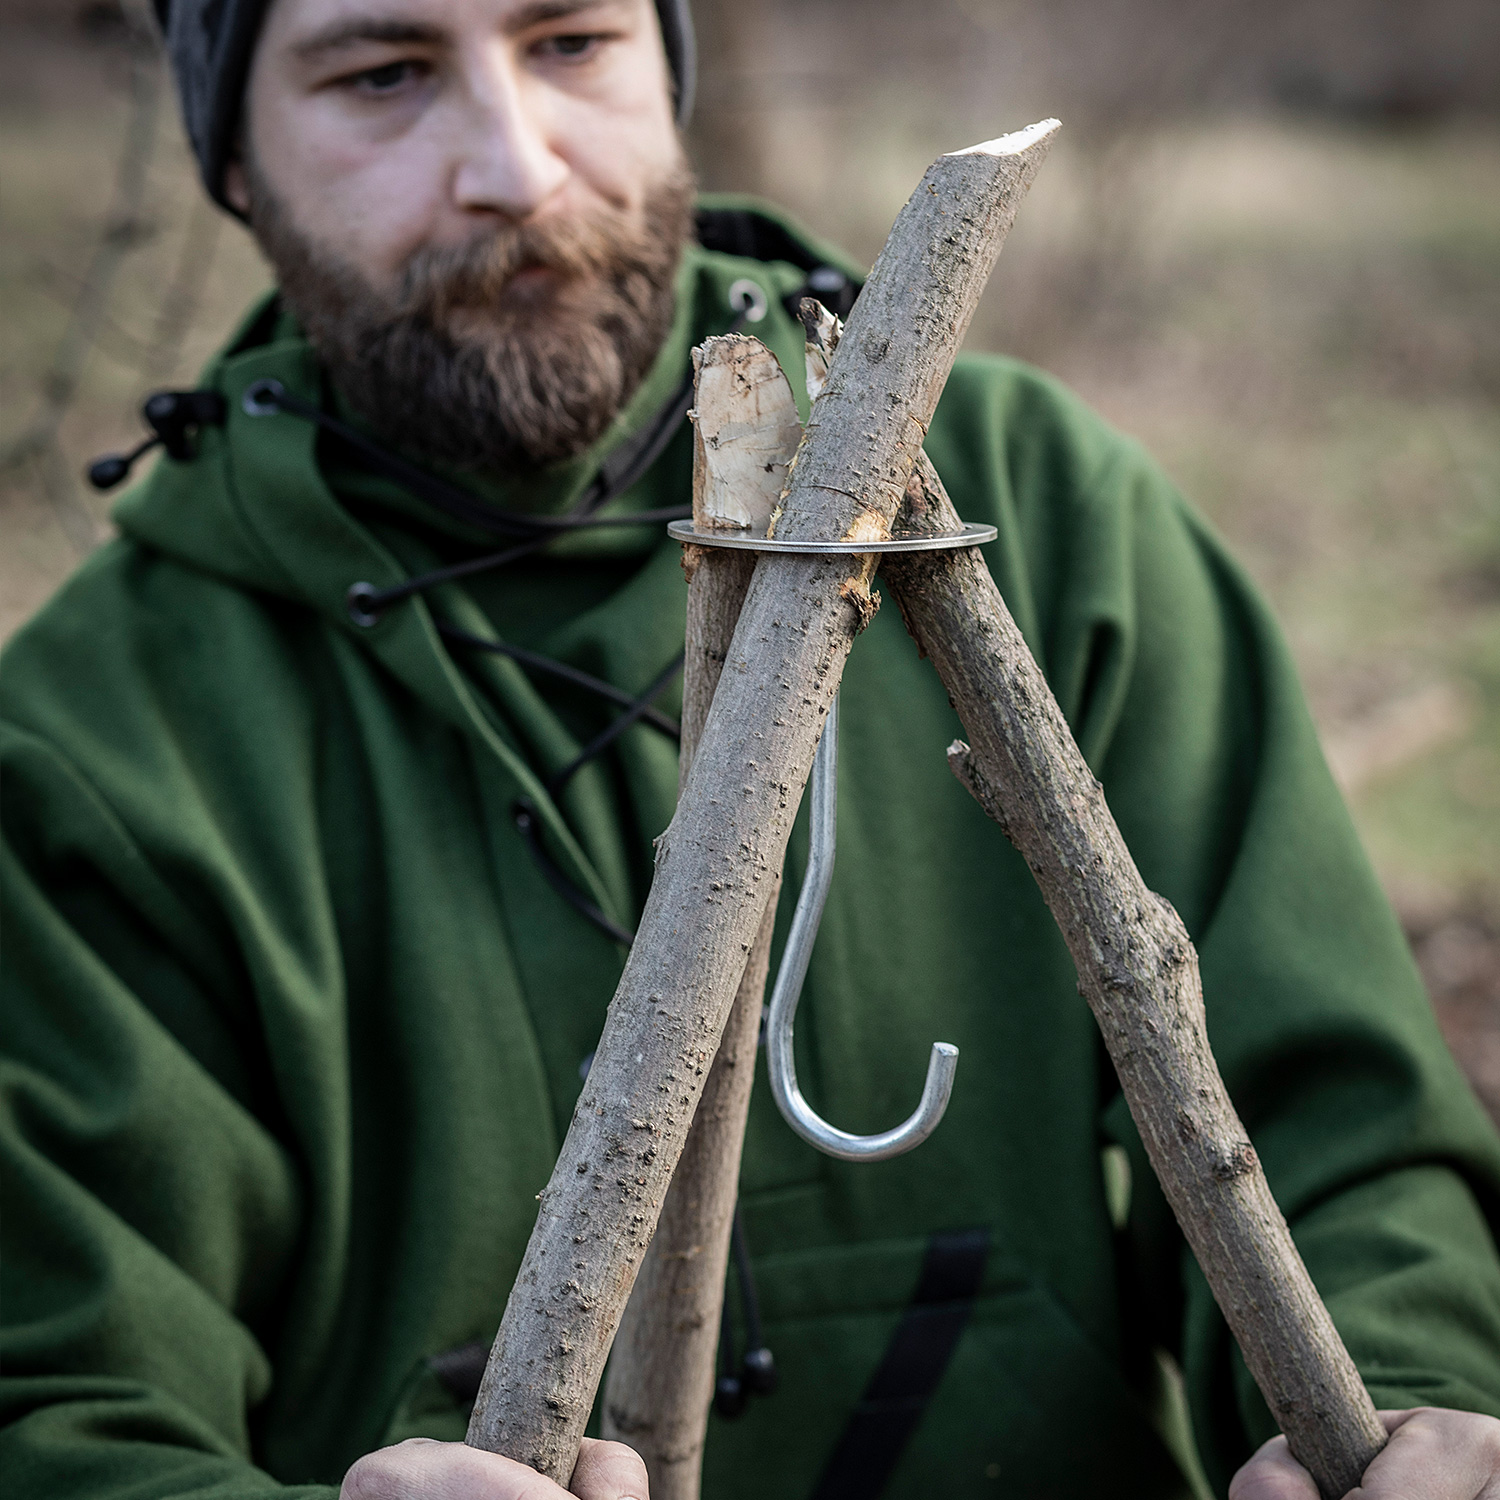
609,1471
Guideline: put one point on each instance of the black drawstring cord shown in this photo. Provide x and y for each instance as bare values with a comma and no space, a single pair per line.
730,1395
607,736
619,472
756,1373
523,809
366,603
629,462
267,397
539,663
759,1365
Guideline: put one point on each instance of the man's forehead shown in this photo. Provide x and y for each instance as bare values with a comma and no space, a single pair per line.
214,45
314,26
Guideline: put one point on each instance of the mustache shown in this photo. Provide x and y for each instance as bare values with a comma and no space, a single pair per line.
440,281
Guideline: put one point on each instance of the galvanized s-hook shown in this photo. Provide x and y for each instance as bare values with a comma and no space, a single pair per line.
822,791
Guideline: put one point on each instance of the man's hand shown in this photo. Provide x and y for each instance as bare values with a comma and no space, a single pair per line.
421,1469
1432,1455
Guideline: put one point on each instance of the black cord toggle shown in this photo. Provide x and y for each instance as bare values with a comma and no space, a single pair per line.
755,1374
173,417
105,473
759,1371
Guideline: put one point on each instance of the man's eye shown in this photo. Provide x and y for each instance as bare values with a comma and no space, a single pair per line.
571,47
385,78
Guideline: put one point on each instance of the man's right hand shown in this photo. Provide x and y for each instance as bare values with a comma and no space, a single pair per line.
421,1469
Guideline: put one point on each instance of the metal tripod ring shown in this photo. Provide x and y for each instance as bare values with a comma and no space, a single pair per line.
795,1110
754,539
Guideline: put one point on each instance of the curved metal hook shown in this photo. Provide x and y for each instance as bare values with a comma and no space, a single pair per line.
795,1110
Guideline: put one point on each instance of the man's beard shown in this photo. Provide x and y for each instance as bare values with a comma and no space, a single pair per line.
460,365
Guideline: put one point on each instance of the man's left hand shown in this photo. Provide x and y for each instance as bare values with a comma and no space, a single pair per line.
1432,1455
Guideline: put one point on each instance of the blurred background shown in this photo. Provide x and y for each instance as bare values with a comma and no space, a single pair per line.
1267,244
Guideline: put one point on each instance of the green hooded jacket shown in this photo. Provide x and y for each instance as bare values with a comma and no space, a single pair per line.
294,1019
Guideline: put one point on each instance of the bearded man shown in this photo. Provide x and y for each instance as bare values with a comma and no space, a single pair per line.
325,829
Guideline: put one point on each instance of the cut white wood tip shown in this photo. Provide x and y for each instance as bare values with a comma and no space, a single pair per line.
1014,143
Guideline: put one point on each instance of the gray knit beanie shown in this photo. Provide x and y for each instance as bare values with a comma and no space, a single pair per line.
210,43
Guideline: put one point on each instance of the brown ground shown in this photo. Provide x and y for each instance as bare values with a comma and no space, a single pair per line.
1459,955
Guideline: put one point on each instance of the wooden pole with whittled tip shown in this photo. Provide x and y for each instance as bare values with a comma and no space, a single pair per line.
719,860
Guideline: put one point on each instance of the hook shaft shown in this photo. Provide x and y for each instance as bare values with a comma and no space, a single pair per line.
822,793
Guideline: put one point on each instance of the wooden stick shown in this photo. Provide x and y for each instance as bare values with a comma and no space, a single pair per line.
717,862
660,1381
1138,971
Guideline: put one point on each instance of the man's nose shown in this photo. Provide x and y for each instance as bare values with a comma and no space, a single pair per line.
506,163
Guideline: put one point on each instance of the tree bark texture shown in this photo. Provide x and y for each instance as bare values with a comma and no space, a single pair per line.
660,1381
720,858
1138,971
